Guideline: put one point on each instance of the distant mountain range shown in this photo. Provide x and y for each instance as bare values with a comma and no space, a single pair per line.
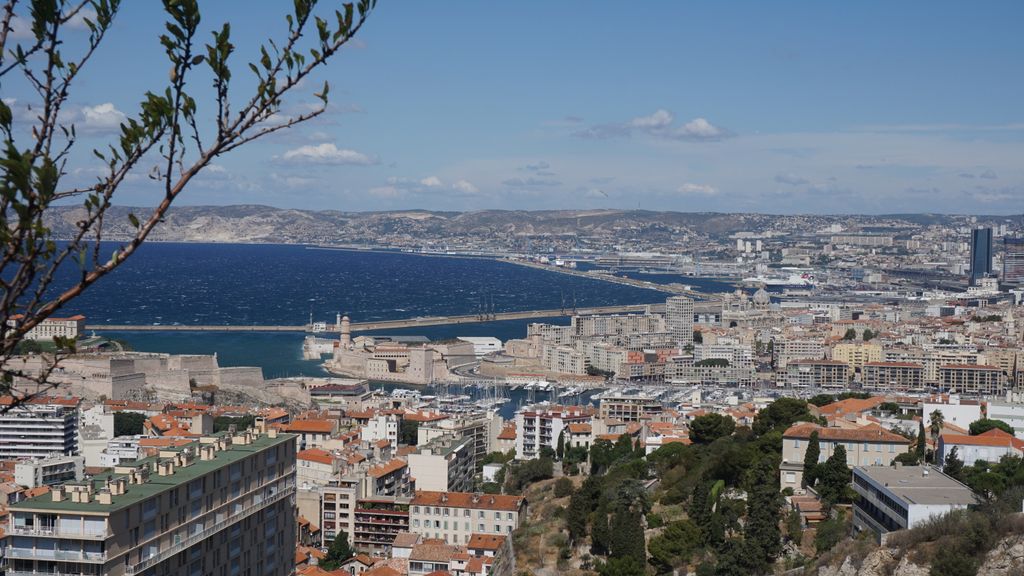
253,223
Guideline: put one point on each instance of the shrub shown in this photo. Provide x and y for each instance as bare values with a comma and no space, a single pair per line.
563,487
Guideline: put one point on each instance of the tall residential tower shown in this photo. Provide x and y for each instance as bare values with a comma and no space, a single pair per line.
981,254
679,319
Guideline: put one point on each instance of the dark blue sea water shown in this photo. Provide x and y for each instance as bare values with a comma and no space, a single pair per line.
283,285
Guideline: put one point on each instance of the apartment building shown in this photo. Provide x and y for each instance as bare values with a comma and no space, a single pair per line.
482,427
539,425
564,359
990,447
972,379
446,463
456,516
220,505
49,471
857,354
785,350
381,427
871,445
630,407
679,320
370,520
893,376
586,326
817,374
39,427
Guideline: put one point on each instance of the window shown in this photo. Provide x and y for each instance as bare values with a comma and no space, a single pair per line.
790,478
509,516
480,527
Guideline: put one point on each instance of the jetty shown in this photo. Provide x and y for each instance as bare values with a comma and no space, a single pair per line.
377,325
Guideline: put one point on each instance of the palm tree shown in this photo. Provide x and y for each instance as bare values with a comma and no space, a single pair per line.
937,421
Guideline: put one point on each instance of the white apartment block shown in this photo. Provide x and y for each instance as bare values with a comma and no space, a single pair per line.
446,463
539,425
679,319
40,427
381,427
46,330
49,471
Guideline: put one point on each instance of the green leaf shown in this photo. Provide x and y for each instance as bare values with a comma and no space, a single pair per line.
133,219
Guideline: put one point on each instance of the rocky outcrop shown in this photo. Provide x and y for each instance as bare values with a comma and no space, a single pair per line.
1005,559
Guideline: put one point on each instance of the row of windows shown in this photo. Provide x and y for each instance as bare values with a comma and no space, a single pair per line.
438,524
466,512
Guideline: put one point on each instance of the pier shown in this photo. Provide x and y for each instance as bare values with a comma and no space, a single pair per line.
378,325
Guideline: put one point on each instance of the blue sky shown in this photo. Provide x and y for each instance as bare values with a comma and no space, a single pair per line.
781,107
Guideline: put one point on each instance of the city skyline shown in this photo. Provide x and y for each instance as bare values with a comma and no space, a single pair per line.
788,108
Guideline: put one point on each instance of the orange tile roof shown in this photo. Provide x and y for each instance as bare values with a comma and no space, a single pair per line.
485,541
869,433
994,437
387,468
316,455
579,428
852,405
424,416
508,432
465,500
311,426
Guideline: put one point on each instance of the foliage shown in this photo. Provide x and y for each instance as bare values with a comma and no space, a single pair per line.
698,337
780,414
498,457
851,334
338,552
522,474
811,456
890,407
794,527
820,400
761,533
985,424
128,423
172,137
222,423
919,448
408,432
868,334
710,427
830,532
674,547
627,538
621,567
952,465
834,478
560,450
715,362
907,459
563,487
936,422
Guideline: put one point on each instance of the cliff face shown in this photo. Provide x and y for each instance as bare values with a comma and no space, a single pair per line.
1005,559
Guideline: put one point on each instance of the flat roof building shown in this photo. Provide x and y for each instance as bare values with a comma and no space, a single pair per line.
892,498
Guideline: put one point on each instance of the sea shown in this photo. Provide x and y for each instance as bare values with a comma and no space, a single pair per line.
261,284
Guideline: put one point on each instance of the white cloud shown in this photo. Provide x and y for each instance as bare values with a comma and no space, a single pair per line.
700,189
328,153
432,182
660,119
699,129
660,124
465,186
101,118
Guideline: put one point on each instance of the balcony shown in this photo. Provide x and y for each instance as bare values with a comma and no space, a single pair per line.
193,539
53,532
68,555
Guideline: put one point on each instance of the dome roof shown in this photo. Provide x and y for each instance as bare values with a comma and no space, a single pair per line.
761,297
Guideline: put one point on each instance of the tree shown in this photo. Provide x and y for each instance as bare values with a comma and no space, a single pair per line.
674,547
834,478
408,432
868,334
560,450
762,534
829,533
712,362
338,552
820,400
128,423
627,537
795,527
780,414
700,508
983,425
907,459
563,487
223,423
919,449
851,334
172,137
937,421
698,337
707,428
811,457
952,465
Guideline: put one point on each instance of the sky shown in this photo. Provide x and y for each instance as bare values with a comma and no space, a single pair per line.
774,107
